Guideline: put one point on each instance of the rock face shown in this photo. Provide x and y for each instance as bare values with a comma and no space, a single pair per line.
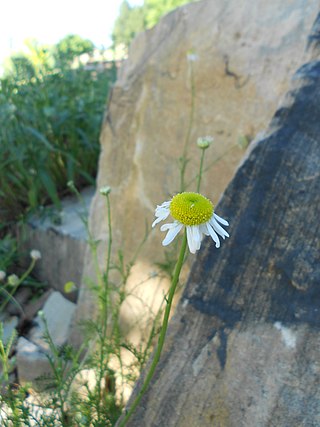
243,346
209,68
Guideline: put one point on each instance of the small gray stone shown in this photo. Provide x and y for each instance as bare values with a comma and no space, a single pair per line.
9,326
62,245
32,363
32,307
32,360
58,312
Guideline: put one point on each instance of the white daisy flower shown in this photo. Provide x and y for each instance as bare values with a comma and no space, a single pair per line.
196,213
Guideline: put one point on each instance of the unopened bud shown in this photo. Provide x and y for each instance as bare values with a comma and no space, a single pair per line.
204,142
35,254
13,280
105,190
192,56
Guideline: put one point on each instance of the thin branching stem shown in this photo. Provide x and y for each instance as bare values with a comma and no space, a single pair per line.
162,335
200,170
184,159
103,362
15,287
106,281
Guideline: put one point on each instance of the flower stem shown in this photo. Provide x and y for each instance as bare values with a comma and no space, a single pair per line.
163,331
184,159
15,287
200,170
106,281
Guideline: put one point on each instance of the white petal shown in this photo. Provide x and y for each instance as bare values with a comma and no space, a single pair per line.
192,249
161,212
166,227
197,236
217,227
164,207
166,204
213,234
194,238
161,216
155,222
221,220
173,231
204,230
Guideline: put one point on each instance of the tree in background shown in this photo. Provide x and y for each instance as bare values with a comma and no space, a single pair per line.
70,47
40,59
133,19
155,9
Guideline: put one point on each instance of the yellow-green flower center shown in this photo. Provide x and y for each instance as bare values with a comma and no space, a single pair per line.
191,208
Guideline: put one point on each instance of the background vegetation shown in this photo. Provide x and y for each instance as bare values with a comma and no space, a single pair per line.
134,19
51,110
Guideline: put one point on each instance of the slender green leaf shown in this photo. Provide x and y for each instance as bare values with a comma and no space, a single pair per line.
50,186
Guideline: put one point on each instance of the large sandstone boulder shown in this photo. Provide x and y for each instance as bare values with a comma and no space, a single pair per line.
243,347
209,68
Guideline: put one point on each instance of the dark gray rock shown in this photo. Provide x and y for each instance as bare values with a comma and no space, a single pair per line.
243,347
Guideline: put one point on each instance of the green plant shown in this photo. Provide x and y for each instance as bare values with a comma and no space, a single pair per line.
11,283
7,365
8,251
50,119
68,398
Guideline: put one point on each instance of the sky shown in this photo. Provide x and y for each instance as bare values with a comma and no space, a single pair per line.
48,21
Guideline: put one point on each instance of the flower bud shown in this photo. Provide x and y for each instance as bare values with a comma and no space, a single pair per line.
35,254
13,280
192,56
2,275
105,190
204,142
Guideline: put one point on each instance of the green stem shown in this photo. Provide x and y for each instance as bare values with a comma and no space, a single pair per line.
4,360
184,159
15,287
162,335
106,282
105,307
200,170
